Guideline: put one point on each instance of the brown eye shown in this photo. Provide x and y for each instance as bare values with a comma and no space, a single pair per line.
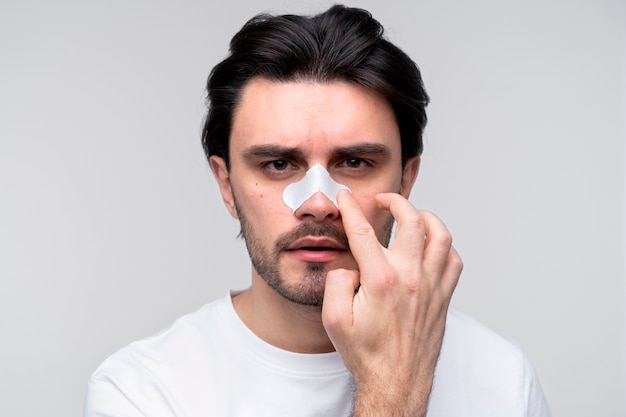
353,162
279,164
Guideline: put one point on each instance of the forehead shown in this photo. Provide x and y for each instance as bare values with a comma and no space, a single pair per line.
311,116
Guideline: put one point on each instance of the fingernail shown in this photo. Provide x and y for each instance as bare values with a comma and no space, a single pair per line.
346,193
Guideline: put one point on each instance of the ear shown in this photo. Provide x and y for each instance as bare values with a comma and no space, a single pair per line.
220,171
411,168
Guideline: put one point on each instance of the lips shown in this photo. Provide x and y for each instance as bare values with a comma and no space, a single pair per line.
317,244
313,249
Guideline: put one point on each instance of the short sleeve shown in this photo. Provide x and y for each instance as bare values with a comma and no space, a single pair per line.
105,399
536,404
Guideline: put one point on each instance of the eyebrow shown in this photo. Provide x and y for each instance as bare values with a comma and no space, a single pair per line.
272,151
372,149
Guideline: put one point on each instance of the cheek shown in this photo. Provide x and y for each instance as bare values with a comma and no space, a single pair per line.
267,206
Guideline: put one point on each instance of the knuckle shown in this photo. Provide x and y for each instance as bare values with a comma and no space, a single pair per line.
456,263
331,321
444,240
414,220
386,281
337,273
363,230
414,287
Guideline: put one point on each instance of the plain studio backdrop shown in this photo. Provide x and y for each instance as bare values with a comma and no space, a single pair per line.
111,225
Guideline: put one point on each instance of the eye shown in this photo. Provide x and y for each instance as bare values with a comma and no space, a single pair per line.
278,167
354,162
279,164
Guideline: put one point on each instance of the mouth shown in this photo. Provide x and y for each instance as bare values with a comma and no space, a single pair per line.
316,249
317,244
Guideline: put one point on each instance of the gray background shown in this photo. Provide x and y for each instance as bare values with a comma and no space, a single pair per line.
111,225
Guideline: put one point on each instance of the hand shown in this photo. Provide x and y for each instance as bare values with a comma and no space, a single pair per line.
389,333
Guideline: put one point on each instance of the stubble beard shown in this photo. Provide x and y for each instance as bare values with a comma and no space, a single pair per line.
308,290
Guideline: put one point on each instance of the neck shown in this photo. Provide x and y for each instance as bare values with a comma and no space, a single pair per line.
280,322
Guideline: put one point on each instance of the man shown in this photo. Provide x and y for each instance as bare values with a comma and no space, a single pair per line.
314,136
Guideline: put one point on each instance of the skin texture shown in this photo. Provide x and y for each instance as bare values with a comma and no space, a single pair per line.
308,264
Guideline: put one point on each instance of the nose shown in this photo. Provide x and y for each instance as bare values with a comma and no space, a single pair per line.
317,208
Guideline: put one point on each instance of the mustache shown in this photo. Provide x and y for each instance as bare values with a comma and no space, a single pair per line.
310,229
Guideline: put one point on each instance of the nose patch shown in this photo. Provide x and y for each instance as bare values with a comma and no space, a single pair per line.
316,179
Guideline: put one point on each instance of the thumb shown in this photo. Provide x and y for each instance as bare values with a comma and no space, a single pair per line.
338,299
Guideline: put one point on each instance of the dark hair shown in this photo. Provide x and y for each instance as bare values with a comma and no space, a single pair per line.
341,44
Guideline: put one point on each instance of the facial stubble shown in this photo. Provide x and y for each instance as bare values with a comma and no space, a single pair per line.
308,290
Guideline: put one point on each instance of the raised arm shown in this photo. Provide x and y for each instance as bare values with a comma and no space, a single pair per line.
389,332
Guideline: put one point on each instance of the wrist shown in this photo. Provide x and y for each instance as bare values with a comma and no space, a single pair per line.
391,398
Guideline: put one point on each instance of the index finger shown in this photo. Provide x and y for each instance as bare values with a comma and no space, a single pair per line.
411,225
362,238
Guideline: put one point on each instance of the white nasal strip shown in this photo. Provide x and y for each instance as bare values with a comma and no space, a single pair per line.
317,179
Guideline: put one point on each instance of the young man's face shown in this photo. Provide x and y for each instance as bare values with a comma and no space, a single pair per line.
279,131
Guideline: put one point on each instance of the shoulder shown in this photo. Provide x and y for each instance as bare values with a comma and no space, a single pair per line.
472,349
144,374
188,334
466,336
481,369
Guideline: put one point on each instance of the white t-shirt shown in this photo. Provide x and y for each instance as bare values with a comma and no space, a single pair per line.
208,363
